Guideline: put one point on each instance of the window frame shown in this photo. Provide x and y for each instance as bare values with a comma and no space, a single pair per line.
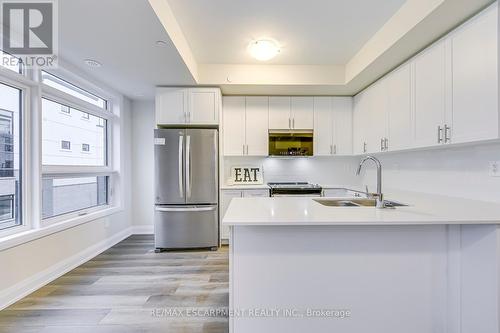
26,163
29,82
68,171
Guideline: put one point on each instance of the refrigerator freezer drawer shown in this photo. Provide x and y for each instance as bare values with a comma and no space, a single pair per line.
180,227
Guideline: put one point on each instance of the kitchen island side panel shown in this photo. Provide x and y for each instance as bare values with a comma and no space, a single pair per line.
390,278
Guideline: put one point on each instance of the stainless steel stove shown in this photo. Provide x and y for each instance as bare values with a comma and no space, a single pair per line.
295,189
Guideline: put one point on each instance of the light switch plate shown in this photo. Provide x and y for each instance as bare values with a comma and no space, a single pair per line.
495,169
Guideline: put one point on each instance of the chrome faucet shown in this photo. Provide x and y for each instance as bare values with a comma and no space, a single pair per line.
378,196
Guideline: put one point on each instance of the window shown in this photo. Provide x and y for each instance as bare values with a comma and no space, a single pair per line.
76,174
65,195
71,89
10,156
57,129
66,145
10,62
65,109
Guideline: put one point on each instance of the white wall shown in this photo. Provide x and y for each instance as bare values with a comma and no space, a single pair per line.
28,265
455,171
143,123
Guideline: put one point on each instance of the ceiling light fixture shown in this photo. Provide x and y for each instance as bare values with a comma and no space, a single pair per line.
263,49
92,63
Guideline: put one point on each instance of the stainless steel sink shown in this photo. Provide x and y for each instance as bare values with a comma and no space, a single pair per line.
356,202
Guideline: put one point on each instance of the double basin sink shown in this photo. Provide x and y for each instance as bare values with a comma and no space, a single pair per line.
356,202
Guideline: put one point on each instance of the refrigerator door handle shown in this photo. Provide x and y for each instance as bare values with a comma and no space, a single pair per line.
188,166
185,209
181,172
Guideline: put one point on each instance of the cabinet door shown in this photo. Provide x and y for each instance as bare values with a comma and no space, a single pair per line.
398,85
374,116
323,126
257,127
342,125
279,112
203,106
430,85
302,112
475,79
255,193
171,106
226,198
360,109
234,125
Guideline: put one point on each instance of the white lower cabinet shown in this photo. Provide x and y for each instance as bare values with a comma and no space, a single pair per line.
227,196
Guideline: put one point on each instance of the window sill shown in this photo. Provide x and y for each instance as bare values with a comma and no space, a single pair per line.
20,238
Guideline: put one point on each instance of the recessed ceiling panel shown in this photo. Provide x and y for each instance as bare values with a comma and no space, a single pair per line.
312,32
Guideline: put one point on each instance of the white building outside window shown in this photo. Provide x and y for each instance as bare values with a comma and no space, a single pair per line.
76,168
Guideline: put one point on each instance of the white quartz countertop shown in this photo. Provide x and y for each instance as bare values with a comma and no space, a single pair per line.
422,209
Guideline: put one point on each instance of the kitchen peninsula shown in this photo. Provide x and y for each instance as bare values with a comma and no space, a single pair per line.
412,269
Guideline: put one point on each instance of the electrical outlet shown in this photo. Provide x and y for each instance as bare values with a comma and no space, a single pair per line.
495,169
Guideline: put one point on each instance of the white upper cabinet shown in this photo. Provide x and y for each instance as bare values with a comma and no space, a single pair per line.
291,112
234,125
399,109
257,126
171,105
302,114
360,111
197,106
475,79
332,126
342,125
279,112
204,105
323,126
376,131
245,126
430,95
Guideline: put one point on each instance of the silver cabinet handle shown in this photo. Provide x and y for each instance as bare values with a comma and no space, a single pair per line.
247,149
293,122
181,172
335,149
382,144
185,209
331,149
440,133
289,123
386,144
447,134
243,148
364,147
188,166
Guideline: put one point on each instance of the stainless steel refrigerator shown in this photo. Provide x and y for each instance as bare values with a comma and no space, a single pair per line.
186,188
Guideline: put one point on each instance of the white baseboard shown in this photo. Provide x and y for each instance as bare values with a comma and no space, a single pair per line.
142,229
29,285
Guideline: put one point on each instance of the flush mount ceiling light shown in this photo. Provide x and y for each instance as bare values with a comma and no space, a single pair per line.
92,63
263,49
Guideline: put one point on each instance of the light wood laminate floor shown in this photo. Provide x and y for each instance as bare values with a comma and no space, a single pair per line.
129,289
